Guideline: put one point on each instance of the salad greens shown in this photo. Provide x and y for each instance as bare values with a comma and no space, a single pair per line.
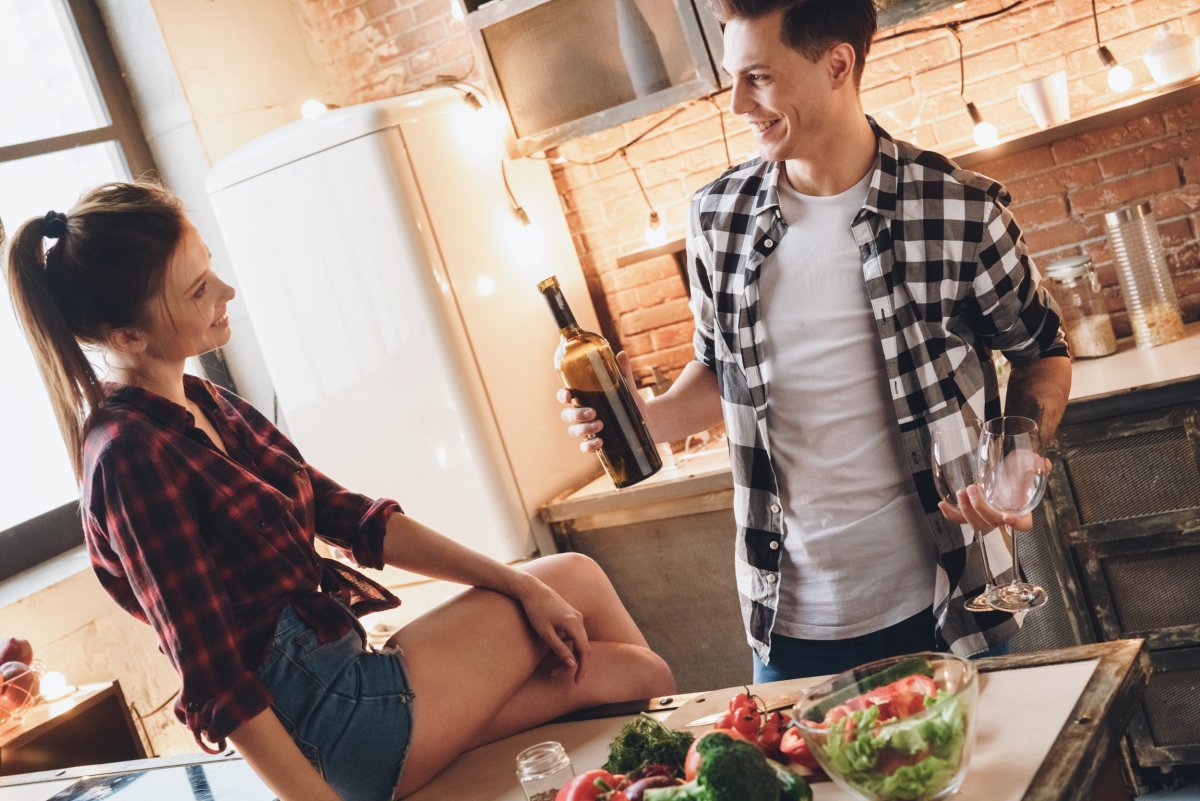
902,760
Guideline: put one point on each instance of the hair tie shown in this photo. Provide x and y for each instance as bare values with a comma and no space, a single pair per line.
54,224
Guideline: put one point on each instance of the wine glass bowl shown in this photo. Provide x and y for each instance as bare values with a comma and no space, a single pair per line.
899,728
954,457
1013,472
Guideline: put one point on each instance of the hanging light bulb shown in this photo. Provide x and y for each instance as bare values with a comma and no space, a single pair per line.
312,108
985,133
472,100
654,234
54,686
522,216
1120,79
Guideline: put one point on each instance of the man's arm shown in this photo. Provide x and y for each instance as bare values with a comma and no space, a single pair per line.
692,404
1039,390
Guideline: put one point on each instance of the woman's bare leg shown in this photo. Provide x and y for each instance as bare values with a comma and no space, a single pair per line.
478,648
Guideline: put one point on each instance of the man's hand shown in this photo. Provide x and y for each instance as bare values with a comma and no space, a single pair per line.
581,420
973,510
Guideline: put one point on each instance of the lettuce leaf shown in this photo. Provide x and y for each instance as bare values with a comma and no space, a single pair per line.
937,738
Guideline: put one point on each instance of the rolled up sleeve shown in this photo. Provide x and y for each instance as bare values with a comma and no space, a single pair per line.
1018,315
700,260
352,522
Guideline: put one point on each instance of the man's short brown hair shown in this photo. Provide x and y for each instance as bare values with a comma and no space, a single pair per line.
811,27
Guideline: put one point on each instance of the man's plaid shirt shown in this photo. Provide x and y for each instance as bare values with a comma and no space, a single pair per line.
949,280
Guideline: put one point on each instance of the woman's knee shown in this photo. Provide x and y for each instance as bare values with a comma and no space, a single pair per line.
569,569
655,677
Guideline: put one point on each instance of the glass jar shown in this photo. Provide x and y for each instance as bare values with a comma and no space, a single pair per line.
1145,280
1074,284
543,769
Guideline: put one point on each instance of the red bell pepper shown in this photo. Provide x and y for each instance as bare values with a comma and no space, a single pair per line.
595,785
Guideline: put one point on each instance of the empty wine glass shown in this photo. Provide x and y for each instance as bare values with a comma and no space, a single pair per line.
1012,473
954,457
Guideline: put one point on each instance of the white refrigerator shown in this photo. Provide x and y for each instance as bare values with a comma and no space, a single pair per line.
393,291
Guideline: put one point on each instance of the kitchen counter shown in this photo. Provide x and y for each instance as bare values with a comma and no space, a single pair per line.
1058,749
1048,727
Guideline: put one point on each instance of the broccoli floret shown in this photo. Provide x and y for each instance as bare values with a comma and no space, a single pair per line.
730,770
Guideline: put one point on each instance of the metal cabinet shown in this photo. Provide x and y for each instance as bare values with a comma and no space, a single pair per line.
1124,498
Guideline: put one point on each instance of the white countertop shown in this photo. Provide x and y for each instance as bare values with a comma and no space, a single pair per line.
1131,369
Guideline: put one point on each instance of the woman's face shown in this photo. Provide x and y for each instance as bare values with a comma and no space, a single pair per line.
189,317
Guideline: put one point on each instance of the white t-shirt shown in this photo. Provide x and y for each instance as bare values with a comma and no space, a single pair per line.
857,556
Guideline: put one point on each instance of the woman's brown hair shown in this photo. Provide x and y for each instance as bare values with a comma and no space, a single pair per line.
107,259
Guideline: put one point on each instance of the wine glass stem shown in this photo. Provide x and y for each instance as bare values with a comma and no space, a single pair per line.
987,569
1016,565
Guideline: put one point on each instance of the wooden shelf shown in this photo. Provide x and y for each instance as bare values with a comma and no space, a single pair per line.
1128,108
91,725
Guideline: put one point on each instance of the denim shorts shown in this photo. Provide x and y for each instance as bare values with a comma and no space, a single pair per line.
347,706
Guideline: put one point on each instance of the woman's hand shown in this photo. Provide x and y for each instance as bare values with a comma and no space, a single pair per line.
973,510
556,622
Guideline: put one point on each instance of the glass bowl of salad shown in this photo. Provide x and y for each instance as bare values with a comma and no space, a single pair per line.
899,729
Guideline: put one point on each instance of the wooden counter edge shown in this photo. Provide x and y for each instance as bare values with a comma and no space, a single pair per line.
1097,723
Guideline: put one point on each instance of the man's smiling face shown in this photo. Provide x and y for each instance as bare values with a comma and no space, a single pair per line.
781,94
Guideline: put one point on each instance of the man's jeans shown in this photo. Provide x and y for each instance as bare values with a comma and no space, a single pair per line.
792,658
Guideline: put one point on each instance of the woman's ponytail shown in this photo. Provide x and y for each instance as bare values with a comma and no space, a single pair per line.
107,259
66,372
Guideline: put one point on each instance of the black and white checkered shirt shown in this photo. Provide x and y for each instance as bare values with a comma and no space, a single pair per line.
949,281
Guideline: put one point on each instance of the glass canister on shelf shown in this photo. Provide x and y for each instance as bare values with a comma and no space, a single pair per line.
543,769
1085,319
1145,280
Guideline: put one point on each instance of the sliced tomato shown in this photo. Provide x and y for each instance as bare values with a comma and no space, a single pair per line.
889,760
793,746
896,700
909,694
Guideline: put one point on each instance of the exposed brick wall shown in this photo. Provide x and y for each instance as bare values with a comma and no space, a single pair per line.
911,87
375,48
372,49
1062,190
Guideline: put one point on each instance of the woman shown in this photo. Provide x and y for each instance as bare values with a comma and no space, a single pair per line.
200,516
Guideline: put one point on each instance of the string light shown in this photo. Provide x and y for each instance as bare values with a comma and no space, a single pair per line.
654,233
312,108
724,133
985,133
517,210
54,686
1120,79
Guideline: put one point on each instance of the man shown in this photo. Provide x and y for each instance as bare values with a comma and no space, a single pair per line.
848,292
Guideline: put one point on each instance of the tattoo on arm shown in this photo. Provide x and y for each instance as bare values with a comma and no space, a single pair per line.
1039,391
1025,405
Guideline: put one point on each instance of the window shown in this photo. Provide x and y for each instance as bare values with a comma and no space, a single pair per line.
66,124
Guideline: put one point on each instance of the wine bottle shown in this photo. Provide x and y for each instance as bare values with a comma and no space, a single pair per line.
588,368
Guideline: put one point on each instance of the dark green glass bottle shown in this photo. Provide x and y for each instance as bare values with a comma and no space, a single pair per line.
588,368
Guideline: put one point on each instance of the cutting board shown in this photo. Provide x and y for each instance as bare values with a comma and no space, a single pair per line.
777,695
